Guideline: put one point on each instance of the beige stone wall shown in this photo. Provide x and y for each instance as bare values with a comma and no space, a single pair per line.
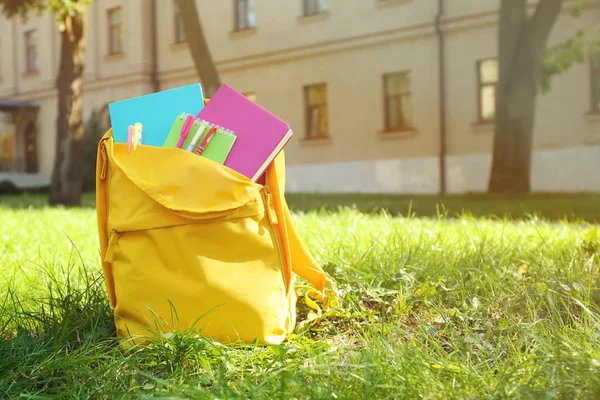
349,48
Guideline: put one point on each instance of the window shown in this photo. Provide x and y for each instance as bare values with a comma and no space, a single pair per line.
596,83
115,40
316,110
6,148
314,7
31,57
251,96
398,101
244,14
487,77
179,28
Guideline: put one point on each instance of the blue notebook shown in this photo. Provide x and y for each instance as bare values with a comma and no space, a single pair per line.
155,112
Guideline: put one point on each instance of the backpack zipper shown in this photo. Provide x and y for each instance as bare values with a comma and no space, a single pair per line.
110,249
104,157
270,210
273,220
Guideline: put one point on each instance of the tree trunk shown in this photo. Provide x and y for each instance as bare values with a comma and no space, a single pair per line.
63,87
194,34
521,45
68,164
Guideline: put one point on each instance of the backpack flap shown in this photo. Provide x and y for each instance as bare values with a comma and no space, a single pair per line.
182,185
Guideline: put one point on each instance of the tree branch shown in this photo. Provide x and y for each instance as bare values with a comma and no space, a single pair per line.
194,34
542,21
513,19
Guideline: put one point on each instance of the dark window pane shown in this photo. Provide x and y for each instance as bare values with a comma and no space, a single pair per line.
393,113
397,84
399,104
596,90
316,110
314,122
323,120
406,110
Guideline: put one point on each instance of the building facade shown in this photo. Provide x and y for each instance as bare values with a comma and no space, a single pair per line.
358,81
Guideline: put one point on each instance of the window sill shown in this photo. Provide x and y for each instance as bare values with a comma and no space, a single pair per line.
398,134
307,19
388,3
32,73
114,56
483,127
316,141
242,33
593,116
177,46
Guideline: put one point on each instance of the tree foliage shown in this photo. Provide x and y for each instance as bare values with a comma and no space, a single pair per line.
59,9
69,16
582,47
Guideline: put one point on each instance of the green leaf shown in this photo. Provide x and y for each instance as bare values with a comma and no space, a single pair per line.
580,48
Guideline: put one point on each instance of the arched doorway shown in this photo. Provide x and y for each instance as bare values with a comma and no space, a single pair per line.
31,156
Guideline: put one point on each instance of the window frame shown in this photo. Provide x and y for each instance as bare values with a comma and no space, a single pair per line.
111,50
386,119
178,19
236,25
481,85
305,7
594,79
29,68
307,112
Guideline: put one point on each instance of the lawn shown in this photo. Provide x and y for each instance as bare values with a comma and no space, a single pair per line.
430,307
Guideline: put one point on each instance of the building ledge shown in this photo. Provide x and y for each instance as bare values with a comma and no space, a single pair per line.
31,74
316,141
24,180
388,3
114,56
242,33
398,134
178,46
307,19
483,127
593,117
591,134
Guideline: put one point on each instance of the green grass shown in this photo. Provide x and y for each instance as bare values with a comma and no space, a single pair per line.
552,206
430,308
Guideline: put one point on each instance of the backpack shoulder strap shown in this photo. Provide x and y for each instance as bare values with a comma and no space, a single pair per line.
302,263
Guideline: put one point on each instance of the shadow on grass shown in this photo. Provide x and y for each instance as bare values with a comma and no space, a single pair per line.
39,200
549,206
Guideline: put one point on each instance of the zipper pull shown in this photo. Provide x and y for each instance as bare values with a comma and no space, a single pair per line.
104,160
271,213
114,237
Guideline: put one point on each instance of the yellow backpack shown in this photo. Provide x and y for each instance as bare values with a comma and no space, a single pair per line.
189,244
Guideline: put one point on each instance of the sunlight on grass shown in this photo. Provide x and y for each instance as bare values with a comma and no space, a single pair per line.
430,308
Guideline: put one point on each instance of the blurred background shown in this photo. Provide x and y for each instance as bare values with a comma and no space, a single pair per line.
384,96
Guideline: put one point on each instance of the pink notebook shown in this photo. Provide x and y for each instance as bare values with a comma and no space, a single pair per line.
260,134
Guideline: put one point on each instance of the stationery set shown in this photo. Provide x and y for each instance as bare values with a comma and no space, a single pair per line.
230,129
